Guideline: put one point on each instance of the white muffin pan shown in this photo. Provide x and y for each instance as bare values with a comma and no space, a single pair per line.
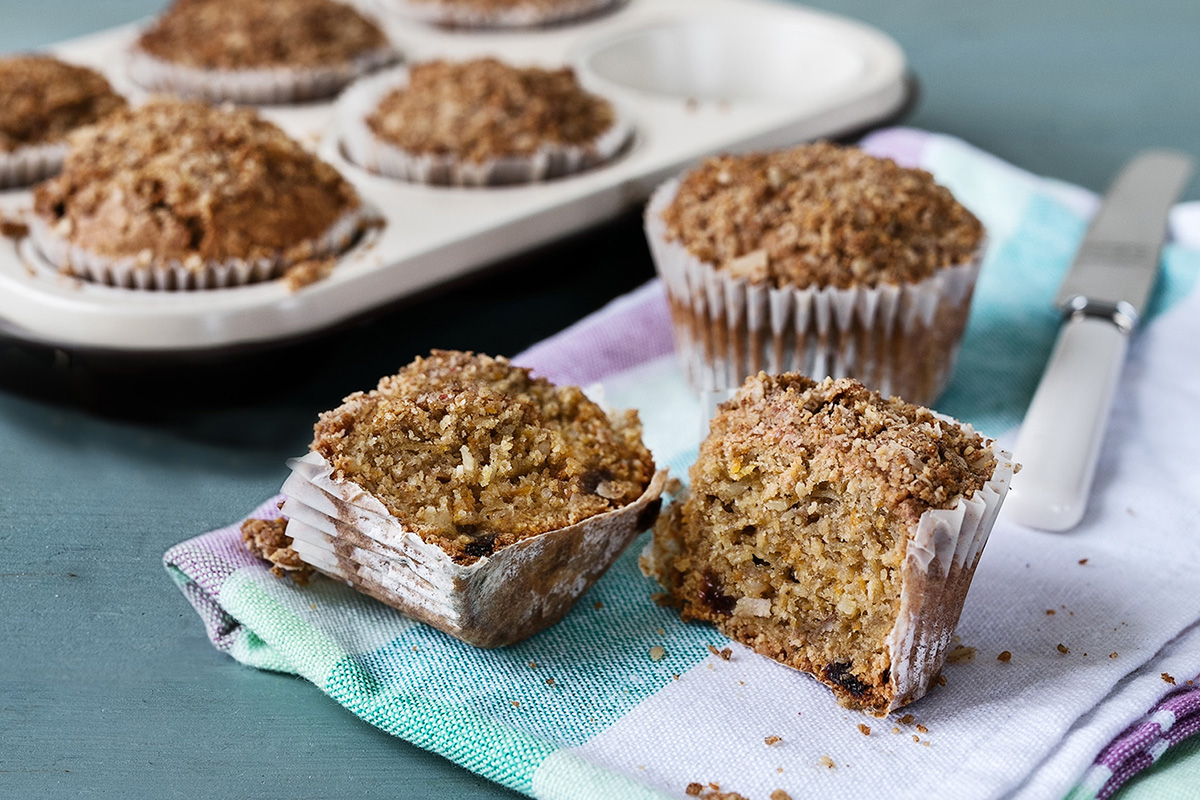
697,77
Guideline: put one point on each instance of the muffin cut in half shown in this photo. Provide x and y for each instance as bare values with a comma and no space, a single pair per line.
820,259
471,496
834,531
42,99
258,51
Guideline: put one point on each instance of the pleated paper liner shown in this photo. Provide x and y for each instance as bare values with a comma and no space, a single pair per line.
31,163
141,272
364,148
509,595
897,339
451,14
260,86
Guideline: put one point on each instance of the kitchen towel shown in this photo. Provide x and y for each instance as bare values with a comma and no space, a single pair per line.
1100,624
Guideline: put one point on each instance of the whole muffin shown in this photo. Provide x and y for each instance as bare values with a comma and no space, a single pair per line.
498,13
835,531
471,495
42,99
820,259
478,122
181,195
258,51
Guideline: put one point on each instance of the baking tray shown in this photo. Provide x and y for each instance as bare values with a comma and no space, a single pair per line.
696,76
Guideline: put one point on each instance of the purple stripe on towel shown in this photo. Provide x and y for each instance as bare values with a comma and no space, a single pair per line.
631,330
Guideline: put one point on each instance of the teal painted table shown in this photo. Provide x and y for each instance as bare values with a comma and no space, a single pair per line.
107,684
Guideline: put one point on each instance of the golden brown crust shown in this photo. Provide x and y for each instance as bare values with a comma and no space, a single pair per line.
42,99
248,34
820,215
484,109
175,180
473,454
794,533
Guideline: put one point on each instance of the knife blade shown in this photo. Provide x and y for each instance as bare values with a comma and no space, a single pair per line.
1101,299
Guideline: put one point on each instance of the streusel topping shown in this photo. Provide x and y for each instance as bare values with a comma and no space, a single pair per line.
472,453
242,34
42,99
183,180
483,109
820,215
839,432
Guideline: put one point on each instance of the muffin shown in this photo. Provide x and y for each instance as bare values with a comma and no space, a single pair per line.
834,531
498,13
471,496
43,99
181,195
477,123
821,260
257,51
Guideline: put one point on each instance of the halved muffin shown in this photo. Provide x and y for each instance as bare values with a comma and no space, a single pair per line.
835,531
470,495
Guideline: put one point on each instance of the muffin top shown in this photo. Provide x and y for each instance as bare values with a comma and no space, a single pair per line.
247,34
183,180
42,99
483,109
472,453
820,215
791,433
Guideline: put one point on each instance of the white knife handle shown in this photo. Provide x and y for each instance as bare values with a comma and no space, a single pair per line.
1060,439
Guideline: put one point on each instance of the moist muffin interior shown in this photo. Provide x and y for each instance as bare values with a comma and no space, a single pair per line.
245,34
42,99
484,109
820,215
796,524
473,454
175,180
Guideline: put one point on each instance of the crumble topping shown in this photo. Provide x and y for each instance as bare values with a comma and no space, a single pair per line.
42,99
267,539
820,215
484,109
176,180
244,34
473,454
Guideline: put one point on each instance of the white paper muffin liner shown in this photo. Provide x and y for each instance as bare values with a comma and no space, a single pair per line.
30,164
139,272
897,339
447,13
341,530
549,161
938,567
942,553
260,86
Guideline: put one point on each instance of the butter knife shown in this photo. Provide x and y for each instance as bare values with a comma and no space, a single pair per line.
1101,299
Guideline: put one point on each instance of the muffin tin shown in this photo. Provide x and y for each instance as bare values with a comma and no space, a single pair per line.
697,77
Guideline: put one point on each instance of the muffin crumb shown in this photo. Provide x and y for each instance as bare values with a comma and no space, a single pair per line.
268,539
